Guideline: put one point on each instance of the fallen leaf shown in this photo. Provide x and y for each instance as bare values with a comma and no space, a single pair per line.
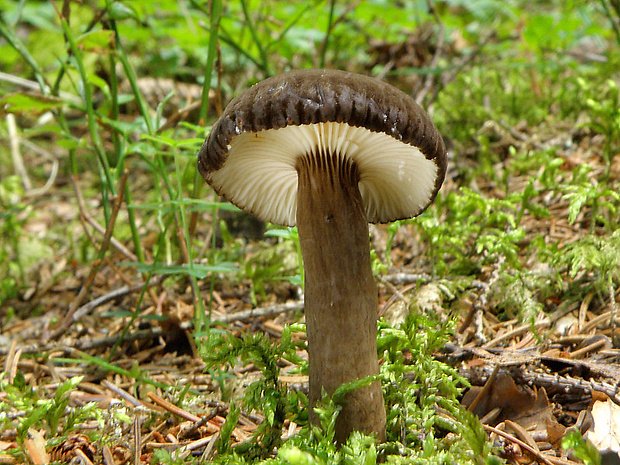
35,444
525,406
605,434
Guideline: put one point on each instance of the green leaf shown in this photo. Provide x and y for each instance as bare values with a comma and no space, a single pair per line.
100,41
120,11
227,428
582,449
196,270
29,103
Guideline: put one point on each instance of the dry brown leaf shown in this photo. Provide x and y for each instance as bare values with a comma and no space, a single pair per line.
35,445
605,435
527,407
4,445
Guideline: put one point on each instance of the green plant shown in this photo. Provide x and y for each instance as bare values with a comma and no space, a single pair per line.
594,260
580,448
290,234
603,105
603,199
11,223
467,229
522,293
267,395
40,412
416,385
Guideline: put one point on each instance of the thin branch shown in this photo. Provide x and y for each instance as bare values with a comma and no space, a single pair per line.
68,320
86,216
16,156
523,445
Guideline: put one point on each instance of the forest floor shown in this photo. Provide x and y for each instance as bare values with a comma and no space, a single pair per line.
104,349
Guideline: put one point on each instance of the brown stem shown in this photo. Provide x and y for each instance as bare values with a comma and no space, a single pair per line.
340,291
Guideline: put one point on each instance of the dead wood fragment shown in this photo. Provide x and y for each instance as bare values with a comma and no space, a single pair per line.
172,408
68,319
536,454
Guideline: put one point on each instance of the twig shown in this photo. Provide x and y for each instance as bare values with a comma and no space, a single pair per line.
515,332
70,98
521,444
108,458
10,366
172,408
16,156
595,321
429,78
567,383
614,310
485,389
522,433
115,294
84,214
589,348
206,455
406,278
179,115
53,172
152,333
260,312
137,440
68,320
122,393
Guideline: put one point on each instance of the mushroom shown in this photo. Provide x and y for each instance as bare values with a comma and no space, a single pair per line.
330,151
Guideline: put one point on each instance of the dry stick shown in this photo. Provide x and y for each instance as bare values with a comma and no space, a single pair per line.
595,321
84,214
589,348
32,85
522,433
583,309
68,320
206,455
567,383
87,344
18,161
178,411
406,278
179,115
122,393
137,440
53,172
10,365
428,80
522,444
108,458
485,389
515,332
396,294
614,308
185,255
113,295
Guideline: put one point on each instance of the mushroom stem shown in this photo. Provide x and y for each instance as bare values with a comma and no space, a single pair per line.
340,291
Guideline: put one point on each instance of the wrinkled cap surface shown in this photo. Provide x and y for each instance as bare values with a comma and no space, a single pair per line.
251,153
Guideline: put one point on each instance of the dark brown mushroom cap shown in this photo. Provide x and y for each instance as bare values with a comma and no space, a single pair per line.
312,97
